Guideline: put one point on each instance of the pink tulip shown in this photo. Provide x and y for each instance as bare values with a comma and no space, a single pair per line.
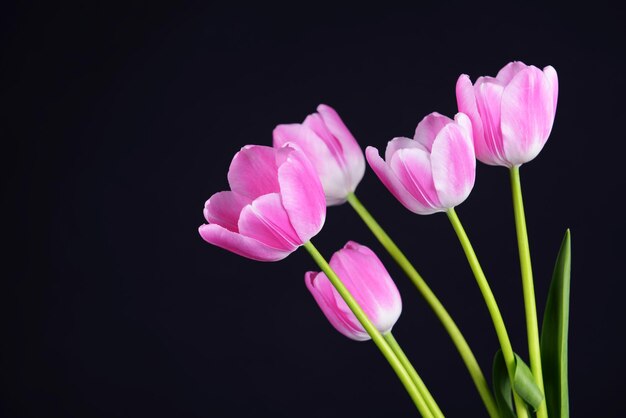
332,149
368,281
432,172
512,114
276,203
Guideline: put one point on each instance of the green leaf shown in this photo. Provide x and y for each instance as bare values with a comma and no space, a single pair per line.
554,334
502,387
524,384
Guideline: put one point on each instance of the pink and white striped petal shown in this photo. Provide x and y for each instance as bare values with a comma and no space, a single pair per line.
429,127
488,92
399,143
466,102
362,272
453,162
334,307
330,172
315,122
224,208
527,115
392,182
412,167
506,74
352,152
550,73
252,172
239,244
302,193
266,221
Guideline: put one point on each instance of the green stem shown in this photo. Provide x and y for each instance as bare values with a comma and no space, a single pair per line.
430,401
492,306
446,320
532,328
377,337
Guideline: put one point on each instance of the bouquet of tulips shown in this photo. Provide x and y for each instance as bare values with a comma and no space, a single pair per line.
278,201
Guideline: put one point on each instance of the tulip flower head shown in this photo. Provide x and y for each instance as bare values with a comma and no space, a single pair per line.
512,114
365,277
332,149
276,204
432,172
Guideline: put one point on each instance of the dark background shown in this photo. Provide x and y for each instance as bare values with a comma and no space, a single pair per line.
119,123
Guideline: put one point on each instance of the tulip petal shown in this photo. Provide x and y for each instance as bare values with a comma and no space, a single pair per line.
315,122
334,307
368,281
506,74
392,182
429,127
550,73
453,162
466,101
412,166
303,136
266,220
352,152
527,115
302,193
223,208
488,98
338,129
399,143
252,172
319,154
239,244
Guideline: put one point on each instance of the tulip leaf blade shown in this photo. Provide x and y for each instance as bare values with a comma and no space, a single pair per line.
554,334
502,387
524,384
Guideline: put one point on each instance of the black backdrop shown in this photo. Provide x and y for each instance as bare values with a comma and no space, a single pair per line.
120,122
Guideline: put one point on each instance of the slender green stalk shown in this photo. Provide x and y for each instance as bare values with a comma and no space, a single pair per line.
492,306
446,320
430,401
377,337
528,287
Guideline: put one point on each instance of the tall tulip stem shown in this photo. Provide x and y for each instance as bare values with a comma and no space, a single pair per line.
435,304
430,401
373,332
492,306
528,287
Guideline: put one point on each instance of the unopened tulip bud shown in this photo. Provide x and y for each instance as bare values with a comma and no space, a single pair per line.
365,277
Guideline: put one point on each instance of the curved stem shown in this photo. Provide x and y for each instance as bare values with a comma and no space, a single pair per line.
430,401
377,337
492,306
528,287
446,320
